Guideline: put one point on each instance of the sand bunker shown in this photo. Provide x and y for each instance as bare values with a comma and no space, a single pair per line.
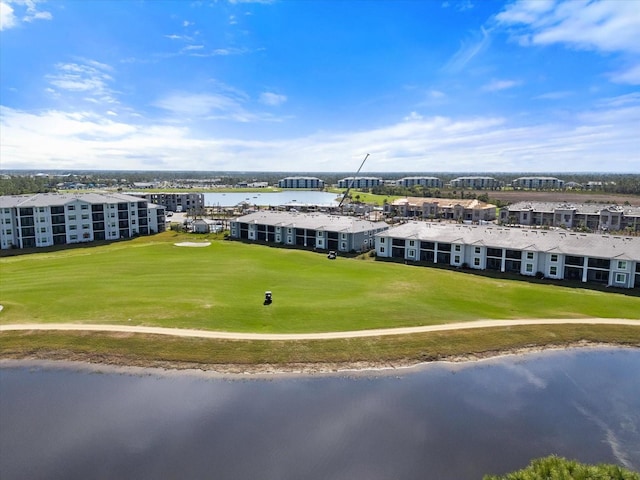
192,244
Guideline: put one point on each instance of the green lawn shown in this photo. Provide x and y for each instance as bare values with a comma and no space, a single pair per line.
151,281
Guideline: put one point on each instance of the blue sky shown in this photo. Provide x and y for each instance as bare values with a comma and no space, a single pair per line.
311,86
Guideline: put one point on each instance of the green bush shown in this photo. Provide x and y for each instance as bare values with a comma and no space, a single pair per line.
558,468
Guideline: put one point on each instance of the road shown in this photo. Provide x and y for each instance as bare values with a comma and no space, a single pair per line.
179,332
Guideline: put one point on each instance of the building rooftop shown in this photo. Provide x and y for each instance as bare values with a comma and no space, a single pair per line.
593,208
58,199
552,241
443,202
313,221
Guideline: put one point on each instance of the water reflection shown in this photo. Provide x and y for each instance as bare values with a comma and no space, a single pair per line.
442,421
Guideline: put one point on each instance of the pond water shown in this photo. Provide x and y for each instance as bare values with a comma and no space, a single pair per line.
439,421
285,197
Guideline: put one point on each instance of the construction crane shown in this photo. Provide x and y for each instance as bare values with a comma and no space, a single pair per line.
351,182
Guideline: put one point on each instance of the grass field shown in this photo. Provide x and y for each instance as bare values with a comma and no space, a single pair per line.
150,281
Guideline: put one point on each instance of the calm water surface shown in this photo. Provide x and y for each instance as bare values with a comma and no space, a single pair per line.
436,422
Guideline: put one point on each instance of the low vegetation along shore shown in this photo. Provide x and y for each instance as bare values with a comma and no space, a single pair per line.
151,281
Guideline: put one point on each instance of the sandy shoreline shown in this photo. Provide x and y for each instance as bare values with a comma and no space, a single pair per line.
115,364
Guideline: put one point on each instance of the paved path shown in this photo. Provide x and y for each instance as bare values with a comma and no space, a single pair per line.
179,332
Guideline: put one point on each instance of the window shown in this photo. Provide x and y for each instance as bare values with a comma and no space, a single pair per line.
456,248
456,259
71,207
383,240
476,262
8,231
412,253
73,237
84,206
381,249
7,220
553,271
43,230
412,243
554,257
621,278
85,226
529,268
343,245
73,227
41,209
477,249
529,255
85,217
622,265
72,217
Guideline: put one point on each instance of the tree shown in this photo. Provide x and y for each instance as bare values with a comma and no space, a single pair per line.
554,467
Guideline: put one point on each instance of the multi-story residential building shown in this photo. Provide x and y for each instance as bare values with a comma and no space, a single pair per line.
301,182
360,182
318,231
590,216
602,259
46,219
428,182
538,183
478,183
441,208
176,202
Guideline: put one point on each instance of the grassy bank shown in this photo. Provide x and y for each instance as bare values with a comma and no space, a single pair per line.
150,281
238,356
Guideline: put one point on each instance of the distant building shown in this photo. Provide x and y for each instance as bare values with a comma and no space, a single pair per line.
46,219
318,231
477,183
428,182
360,182
301,182
538,183
176,202
600,259
441,208
591,216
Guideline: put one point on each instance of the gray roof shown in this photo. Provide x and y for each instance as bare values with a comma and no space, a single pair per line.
58,199
313,221
590,208
553,241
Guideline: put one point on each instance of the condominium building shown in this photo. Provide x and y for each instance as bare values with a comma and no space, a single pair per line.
602,259
427,182
47,219
478,183
538,183
441,208
176,202
317,231
301,182
590,216
360,182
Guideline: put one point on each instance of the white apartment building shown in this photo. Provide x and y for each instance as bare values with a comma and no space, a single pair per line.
360,182
46,219
428,182
301,182
602,259
479,183
538,183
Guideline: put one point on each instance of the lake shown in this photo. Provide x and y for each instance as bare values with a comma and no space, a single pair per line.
437,421
274,199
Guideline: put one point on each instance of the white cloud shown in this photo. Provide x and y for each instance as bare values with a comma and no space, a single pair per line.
7,17
554,95
604,137
497,85
272,99
606,26
629,76
467,51
88,77
12,11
